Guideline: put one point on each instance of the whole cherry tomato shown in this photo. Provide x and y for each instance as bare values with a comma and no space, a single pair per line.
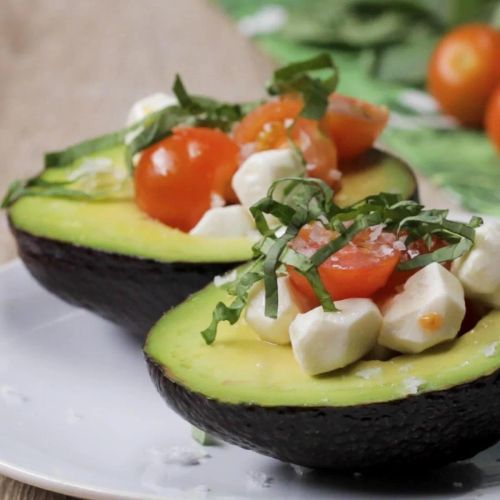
353,124
464,70
272,125
358,269
179,178
492,121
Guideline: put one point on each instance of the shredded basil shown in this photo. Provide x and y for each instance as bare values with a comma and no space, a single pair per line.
209,112
69,155
191,110
302,201
298,77
232,312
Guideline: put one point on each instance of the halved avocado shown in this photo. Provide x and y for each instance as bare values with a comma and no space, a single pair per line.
413,410
113,259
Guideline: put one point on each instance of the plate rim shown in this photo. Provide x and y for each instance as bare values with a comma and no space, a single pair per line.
72,488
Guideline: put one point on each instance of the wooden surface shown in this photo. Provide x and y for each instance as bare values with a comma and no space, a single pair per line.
70,70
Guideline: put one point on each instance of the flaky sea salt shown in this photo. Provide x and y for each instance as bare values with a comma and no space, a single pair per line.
225,278
412,385
399,245
385,250
491,349
376,231
180,455
300,470
258,480
368,373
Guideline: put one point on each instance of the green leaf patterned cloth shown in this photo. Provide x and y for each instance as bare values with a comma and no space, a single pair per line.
460,160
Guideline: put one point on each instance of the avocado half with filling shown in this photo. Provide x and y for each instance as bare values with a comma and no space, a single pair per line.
421,410
111,258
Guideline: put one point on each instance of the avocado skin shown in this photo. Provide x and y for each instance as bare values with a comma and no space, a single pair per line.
422,431
131,292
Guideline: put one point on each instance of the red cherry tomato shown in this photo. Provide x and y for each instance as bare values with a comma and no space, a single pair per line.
177,178
353,125
464,70
266,128
357,270
318,150
256,127
492,121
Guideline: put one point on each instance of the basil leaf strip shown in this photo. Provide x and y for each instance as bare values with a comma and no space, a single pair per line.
69,155
299,77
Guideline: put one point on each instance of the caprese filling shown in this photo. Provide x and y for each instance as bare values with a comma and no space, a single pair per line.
197,164
194,178
341,284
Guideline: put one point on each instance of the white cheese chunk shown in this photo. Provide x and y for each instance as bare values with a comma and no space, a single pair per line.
272,329
255,176
149,105
232,221
324,341
479,270
428,311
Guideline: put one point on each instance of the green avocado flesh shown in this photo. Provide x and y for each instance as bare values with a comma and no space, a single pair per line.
118,226
240,368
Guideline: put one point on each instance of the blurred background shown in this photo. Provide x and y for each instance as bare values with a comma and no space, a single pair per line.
392,52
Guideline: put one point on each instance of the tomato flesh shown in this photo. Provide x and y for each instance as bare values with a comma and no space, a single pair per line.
353,125
179,178
259,122
319,151
357,270
266,127
464,70
492,121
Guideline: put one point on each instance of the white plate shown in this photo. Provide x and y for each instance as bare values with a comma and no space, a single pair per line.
79,415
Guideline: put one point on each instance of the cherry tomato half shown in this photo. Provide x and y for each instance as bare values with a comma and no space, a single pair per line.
177,178
266,128
357,270
492,121
464,70
257,126
318,150
353,125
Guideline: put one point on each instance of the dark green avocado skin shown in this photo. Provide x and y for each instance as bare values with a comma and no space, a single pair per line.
422,431
131,292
